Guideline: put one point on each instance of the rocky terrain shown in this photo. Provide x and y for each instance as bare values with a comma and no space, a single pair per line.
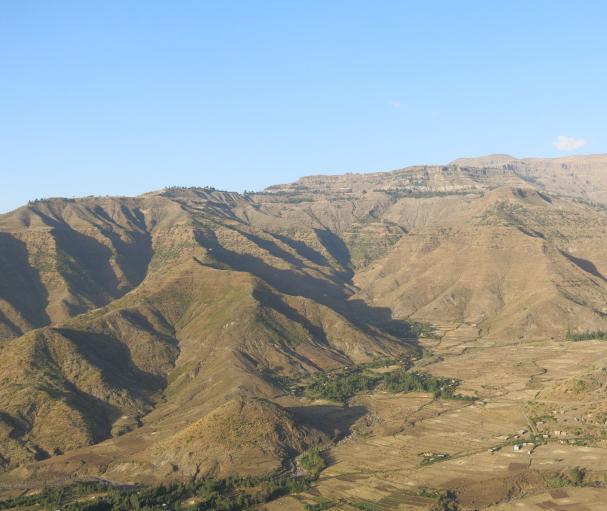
161,337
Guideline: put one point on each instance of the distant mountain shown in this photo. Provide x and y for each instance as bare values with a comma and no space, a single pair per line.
136,331
576,176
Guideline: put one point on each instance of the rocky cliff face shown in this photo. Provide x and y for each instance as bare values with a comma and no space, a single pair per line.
575,176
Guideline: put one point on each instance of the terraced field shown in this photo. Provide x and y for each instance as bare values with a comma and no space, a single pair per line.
505,450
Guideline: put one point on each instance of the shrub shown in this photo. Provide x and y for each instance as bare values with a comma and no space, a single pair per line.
601,335
447,502
313,462
556,481
577,475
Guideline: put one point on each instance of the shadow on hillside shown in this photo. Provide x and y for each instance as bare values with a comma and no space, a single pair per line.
125,381
274,301
10,328
334,421
132,258
338,277
338,250
332,294
112,357
20,284
85,263
303,250
100,415
584,265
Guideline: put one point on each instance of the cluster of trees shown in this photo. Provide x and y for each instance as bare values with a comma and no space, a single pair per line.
321,506
47,199
365,506
403,381
205,188
313,462
231,494
52,498
407,329
447,501
341,386
574,477
601,335
423,330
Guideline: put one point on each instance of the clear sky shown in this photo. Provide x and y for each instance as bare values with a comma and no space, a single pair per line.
122,97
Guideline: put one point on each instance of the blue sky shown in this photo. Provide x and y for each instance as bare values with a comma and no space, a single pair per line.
123,97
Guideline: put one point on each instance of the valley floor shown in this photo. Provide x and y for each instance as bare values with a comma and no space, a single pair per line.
535,439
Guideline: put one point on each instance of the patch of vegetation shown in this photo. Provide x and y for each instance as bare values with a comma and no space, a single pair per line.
321,506
365,506
342,385
574,477
434,458
600,335
365,248
429,493
556,481
191,188
586,202
231,494
423,330
162,255
313,462
447,501
406,329
50,199
404,381
53,497
577,475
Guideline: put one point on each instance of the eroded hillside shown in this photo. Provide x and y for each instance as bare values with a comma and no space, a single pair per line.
137,332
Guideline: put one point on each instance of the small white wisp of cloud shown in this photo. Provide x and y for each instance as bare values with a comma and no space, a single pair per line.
563,143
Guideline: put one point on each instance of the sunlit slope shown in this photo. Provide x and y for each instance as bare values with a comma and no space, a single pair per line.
516,262
224,312
577,176
130,324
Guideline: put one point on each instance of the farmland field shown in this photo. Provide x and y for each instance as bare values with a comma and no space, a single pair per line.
411,448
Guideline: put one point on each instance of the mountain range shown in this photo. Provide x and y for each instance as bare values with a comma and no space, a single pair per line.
154,337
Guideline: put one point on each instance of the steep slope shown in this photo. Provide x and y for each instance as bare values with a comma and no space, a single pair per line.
62,257
225,312
246,435
134,330
515,262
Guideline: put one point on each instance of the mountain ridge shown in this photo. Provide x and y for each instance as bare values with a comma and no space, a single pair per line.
126,320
